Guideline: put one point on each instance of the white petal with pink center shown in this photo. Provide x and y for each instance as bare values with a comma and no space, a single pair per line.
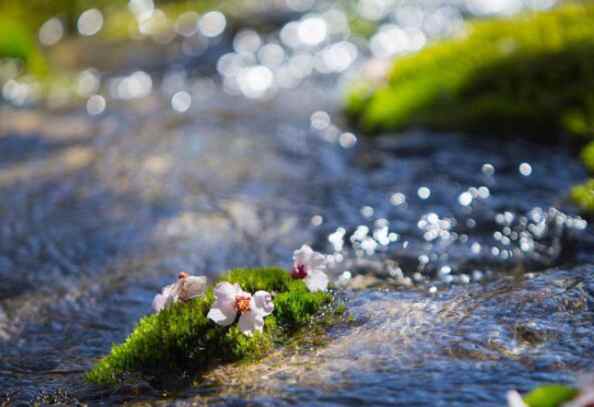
231,300
310,266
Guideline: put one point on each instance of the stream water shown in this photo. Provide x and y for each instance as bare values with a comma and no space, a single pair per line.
465,270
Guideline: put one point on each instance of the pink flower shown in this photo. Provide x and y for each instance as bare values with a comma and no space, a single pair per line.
184,289
231,300
310,266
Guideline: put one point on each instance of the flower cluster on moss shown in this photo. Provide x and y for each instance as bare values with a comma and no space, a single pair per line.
181,339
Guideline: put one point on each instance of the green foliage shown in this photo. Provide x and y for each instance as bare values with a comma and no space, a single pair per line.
16,41
20,22
583,196
180,339
552,395
588,156
531,72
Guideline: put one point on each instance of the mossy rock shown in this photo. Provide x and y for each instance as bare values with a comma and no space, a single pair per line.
532,73
551,395
181,341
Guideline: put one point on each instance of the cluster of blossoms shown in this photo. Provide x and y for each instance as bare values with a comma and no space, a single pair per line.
232,302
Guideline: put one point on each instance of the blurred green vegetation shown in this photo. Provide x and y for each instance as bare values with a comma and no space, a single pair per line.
20,22
17,42
532,74
583,196
550,395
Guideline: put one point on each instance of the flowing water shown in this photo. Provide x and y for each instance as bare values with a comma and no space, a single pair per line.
461,263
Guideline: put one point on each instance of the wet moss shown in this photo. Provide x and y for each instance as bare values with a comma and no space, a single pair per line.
583,196
181,341
551,395
17,42
532,72
587,156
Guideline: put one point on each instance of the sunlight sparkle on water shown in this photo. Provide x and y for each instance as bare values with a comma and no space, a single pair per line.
181,101
424,193
271,55
392,40
319,120
255,81
397,199
525,169
488,169
312,31
465,198
136,85
347,140
212,24
90,22
142,9
88,82
317,220
247,41
51,32
186,24
96,105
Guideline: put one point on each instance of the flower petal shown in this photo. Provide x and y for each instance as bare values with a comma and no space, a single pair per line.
302,255
159,302
223,310
317,280
222,315
167,297
192,287
250,321
263,302
514,399
226,291
317,261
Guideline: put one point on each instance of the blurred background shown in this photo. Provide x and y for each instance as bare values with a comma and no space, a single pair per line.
437,150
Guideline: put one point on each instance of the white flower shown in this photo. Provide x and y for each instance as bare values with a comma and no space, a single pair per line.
231,300
184,289
514,399
309,266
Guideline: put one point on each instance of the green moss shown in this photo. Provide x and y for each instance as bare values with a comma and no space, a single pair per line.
587,156
583,196
530,72
16,41
180,340
552,395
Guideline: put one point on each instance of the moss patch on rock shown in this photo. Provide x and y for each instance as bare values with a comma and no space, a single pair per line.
533,72
181,341
551,395
583,196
